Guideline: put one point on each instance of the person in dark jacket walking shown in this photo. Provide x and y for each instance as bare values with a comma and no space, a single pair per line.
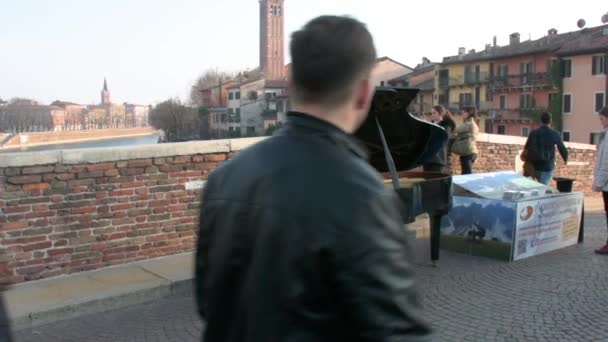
540,149
299,238
443,118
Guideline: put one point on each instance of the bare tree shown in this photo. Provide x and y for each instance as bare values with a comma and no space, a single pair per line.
213,77
209,78
179,122
22,101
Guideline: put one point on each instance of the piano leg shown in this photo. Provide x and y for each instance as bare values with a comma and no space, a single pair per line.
435,237
581,234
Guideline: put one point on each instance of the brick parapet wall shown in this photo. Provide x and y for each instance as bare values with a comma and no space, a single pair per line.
499,152
75,210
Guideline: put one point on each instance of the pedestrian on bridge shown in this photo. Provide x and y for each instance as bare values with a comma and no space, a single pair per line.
299,238
600,174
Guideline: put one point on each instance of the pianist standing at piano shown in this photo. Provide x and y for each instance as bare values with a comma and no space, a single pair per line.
441,117
299,238
465,139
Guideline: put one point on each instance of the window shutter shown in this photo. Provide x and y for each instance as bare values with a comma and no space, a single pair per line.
594,64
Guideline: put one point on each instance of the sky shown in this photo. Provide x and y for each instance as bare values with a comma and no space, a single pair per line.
151,50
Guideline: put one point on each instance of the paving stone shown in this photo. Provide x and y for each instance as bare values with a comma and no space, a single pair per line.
559,296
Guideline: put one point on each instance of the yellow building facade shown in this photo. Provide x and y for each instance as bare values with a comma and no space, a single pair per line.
459,83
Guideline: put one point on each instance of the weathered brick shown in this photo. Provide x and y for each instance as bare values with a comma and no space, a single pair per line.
117,236
164,188
160,161
60,243
132,185
24,179
59,186
83,210
155,204
111,173
121,207
139,163
199,158
16,210
37,231
131,171
170,169
207,166
123,179
94,174
37,246
152,169
36,186
24,240
124,192
100,167
30,269
12,171
40,223
180,160
215,157
161,217
142,191
85,255
139,212
187,174
48,178
81,183
59,251
35,170
35,200
40,207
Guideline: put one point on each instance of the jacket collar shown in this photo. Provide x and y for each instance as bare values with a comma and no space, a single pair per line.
314,125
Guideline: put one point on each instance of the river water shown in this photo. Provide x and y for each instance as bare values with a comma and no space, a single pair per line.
114,142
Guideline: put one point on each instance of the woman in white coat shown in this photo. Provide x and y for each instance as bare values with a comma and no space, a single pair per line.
600,174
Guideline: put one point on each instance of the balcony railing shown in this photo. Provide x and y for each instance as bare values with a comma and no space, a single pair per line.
517,113
468,79
539,79
482,106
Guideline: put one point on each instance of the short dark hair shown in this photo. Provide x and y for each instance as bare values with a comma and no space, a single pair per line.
603,112
545,118
328,55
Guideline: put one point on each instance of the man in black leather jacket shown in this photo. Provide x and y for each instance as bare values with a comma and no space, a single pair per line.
299,238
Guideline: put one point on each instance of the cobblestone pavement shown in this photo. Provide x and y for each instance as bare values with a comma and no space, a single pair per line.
559,296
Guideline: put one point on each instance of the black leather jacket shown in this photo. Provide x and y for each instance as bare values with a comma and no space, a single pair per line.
300,241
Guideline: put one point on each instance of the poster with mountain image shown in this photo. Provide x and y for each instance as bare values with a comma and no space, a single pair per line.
480,227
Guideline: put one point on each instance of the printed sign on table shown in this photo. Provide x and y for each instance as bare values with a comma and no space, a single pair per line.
547,224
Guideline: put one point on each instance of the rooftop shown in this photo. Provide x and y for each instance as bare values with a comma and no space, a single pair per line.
592,40
552,42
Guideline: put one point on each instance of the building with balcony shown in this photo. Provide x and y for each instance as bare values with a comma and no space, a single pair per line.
585,84
462,80
252,107
513,84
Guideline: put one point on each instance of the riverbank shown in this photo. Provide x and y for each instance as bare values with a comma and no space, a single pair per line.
52,138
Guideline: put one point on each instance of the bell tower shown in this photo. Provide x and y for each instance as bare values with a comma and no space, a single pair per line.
105,93
272,59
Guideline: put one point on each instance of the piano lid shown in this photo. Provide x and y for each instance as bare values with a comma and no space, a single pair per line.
410,141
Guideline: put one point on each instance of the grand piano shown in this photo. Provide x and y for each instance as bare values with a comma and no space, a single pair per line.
397,143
